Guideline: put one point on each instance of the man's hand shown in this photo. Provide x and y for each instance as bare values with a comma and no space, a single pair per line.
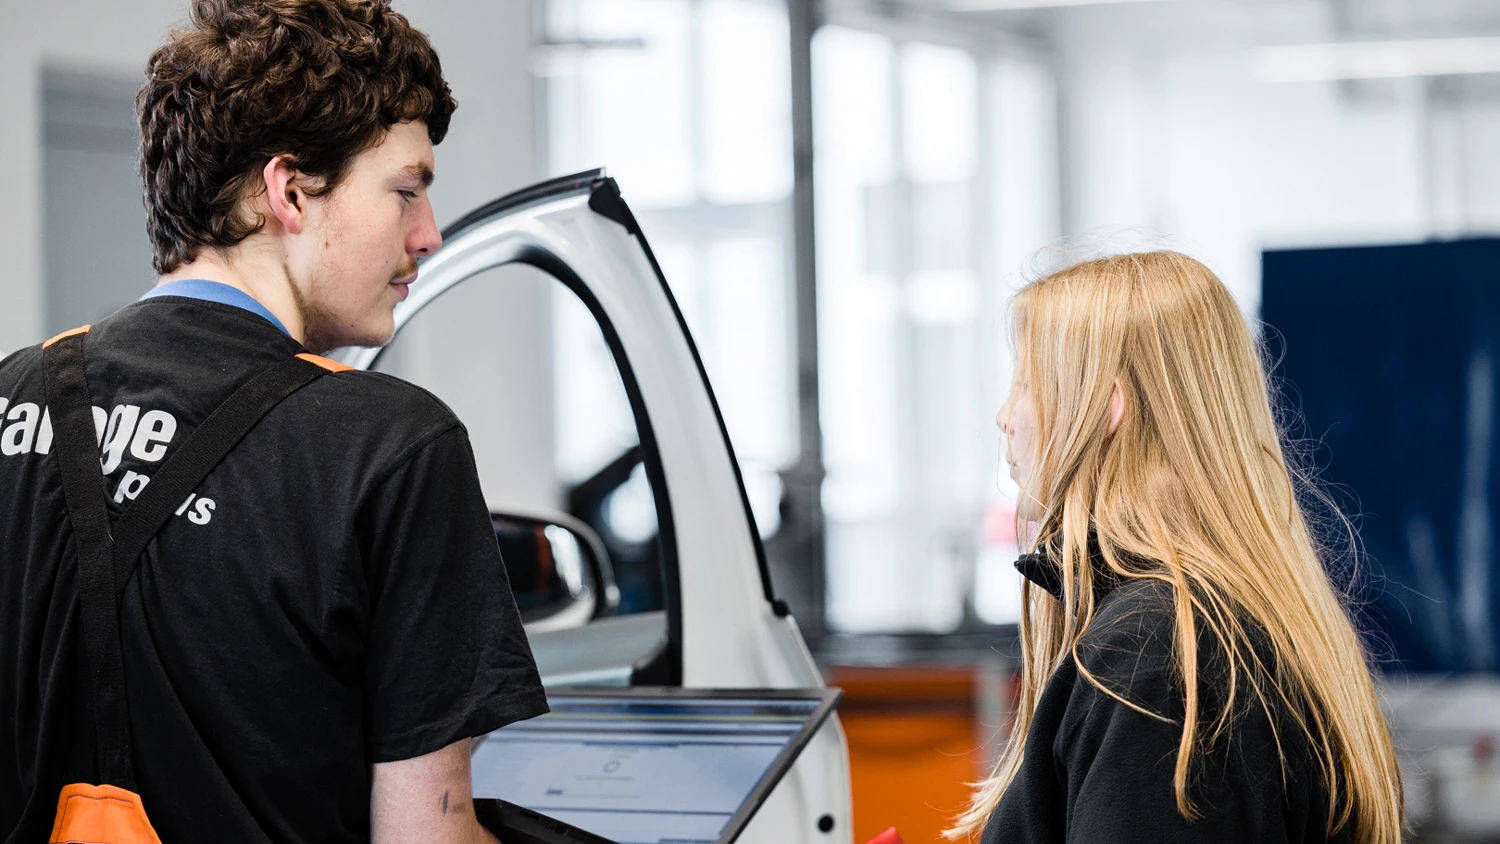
426,799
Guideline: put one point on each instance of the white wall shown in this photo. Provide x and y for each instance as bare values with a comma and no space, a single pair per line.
490,150
100,35
1166,128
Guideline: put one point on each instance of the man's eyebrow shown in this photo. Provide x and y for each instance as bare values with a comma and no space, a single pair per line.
420,172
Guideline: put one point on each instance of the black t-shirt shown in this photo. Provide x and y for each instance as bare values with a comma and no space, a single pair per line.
332,595
1096,770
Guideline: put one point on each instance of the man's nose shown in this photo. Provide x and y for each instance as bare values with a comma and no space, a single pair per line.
426,238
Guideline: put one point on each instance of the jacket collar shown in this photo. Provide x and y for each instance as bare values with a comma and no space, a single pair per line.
1039,568
1043,567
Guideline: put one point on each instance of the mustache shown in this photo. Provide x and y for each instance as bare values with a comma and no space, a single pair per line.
407,269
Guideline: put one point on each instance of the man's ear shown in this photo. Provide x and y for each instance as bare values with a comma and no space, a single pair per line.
284,194
1116,408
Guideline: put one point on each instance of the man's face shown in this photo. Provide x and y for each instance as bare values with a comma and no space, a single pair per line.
358,249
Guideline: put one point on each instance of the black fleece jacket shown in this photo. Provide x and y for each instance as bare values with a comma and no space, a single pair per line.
1097,771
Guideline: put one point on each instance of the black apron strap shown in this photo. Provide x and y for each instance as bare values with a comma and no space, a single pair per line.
83,488
209,443
106,561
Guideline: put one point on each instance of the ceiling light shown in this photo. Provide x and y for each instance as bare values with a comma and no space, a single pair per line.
566,58
1377,59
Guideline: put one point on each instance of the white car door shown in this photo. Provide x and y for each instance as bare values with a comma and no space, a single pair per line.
724,628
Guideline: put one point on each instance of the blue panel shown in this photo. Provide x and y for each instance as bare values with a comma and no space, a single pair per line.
1391,355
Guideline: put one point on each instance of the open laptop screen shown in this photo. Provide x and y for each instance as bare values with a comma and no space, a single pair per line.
641,769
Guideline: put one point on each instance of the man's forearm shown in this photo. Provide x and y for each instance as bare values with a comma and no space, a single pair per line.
426,799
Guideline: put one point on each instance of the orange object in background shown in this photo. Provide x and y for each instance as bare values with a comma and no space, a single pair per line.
914,742
890,836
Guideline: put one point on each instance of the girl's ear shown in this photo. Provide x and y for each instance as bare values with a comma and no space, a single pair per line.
1116,408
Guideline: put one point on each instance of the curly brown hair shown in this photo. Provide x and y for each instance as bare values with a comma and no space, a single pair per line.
319,80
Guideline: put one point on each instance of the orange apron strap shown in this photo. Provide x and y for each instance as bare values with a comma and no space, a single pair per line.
327,363
82,329
101,814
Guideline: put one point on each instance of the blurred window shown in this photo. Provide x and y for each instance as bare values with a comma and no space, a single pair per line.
1023,185
686,103
936,176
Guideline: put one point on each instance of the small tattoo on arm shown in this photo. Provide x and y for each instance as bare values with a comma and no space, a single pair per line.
445,803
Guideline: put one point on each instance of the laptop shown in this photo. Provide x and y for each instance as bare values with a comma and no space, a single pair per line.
643,765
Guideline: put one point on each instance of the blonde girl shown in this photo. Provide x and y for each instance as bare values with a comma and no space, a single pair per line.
1189,673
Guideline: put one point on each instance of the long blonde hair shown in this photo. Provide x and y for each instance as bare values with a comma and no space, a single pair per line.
1193,489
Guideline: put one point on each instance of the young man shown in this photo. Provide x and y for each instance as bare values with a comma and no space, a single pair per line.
310,643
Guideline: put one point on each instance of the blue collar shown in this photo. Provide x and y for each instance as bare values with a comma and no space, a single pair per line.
213,291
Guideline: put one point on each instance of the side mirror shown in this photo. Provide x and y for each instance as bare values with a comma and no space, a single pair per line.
559,571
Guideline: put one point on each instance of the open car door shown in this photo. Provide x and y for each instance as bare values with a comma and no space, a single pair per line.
723,626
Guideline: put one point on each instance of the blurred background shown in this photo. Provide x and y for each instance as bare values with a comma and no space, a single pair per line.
843,195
